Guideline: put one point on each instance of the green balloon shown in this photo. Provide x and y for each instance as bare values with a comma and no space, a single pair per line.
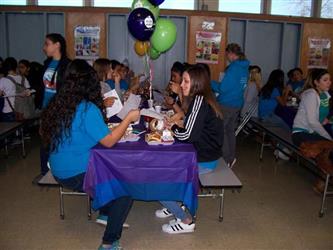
164,36
154,54
146,4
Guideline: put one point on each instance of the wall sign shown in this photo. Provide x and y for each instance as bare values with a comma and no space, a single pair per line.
208,46
86,44
319,51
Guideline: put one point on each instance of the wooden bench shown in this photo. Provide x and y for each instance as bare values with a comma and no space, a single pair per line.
284,137
222,177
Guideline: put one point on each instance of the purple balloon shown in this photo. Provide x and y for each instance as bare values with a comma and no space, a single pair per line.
156,2
141,24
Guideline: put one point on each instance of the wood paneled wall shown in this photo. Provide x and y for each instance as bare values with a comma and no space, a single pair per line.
74,19
316,30
195,23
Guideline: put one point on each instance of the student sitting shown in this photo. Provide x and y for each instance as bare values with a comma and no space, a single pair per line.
252,89
296,81
272,95
174,93
102,67
115,82
313,109
201,127
73,123
312,114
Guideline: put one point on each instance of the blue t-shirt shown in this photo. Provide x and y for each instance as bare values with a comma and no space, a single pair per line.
296,86
267,106
50,87
88,128
123,84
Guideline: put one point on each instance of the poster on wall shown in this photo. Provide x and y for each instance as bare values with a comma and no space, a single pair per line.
87,42
319,50
208,47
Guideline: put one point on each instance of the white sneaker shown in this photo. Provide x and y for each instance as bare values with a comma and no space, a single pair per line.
280,155
165,213
174,221
178,228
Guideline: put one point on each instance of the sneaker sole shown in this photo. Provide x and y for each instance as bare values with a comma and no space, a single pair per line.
179,232
104,223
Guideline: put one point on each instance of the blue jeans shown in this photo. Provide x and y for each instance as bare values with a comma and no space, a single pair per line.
174,207
116,210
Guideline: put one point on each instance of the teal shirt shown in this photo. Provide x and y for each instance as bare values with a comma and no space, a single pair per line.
324,107
72,155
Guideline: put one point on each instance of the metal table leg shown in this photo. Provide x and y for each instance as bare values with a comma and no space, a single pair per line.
23,145
321,212
221,205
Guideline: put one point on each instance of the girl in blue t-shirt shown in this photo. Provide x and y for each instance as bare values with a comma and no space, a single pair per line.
72,124
272,95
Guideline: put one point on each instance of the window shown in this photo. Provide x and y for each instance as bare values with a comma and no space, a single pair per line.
244,6
291,7
113,3
13,2
168,4
327,8
60,2
180,4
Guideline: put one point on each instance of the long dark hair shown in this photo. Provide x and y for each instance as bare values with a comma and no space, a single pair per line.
200,85
275,80
57,38
81,84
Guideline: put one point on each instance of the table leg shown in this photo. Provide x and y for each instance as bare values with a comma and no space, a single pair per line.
221,205
23,145
262,146
6,147
321,212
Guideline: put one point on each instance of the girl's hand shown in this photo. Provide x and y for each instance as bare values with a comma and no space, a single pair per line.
117,77
168,123
325,122
134,115
175,87
109,101
169,100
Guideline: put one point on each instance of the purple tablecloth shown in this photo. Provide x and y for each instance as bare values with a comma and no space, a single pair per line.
143,172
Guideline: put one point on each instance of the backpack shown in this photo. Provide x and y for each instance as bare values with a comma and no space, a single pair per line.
24,106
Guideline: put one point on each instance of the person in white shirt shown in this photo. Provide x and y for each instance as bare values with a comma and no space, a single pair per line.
9,85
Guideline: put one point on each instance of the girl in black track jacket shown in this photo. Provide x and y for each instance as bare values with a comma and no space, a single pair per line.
203,127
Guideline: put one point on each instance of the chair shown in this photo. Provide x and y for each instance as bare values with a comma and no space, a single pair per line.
222,177
48,179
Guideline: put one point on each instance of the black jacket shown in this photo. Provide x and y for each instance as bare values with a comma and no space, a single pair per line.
60,70
203,129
